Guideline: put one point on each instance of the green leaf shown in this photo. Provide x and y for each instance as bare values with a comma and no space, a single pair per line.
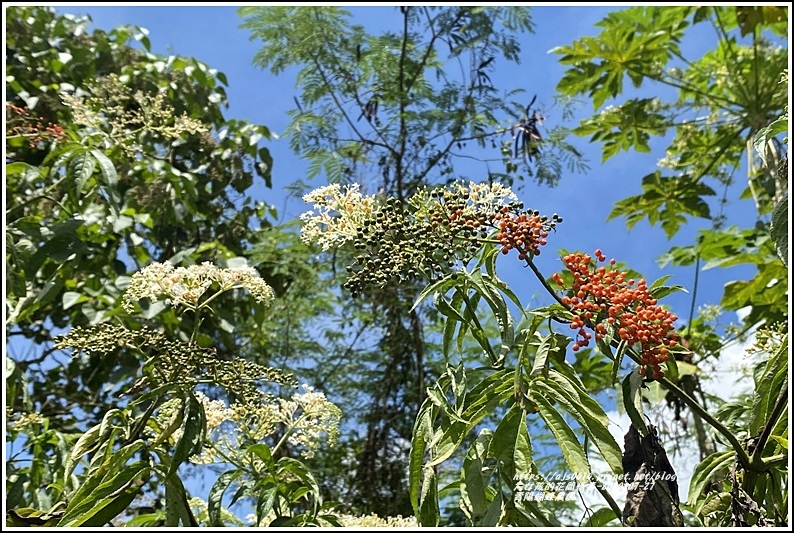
60,248
429,513
287,466
570,446
522,451
665,200
618,359
503,445
107,500
177,508
601,517
420,439
82,166
491,518
87,442
441,286
713,465
715,502
263,452
106,169
194,427
779,229
215,498
487,395
30,517
71,298
473,495
540,366
489,289
103,468
764,135
588,414
768,388
452,435
632,403
750,17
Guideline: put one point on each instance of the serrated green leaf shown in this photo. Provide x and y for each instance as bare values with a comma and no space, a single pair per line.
709,467
194,426
85,444
768,387
420,439
215,498
589,416
429,513
570,446
473,495
106,500
177,508
441,286
631,401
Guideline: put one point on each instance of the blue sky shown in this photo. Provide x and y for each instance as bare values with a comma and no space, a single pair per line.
212,35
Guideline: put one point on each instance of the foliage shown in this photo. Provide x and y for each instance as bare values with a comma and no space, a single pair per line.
395,111
423,89
527,375
145,168
725,102
168,421
116,159
131,223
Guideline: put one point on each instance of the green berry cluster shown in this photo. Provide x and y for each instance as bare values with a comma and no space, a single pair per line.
437,229
395,246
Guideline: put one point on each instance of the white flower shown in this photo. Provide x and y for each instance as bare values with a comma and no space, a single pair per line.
340,215
184,286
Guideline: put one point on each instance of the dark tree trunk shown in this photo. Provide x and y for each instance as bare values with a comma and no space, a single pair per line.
652,498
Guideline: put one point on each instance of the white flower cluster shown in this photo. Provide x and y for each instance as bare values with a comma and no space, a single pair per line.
26,420
340,213
476,198
185,285
310,415
215,410
373,520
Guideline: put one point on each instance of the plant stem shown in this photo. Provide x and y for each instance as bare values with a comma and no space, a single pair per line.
608,497
713,422
777,410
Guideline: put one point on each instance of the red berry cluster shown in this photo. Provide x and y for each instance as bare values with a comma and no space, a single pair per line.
32,127
525,232
601,296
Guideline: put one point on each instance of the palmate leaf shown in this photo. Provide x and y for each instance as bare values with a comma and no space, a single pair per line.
666,201
632,44
627,127
750,17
